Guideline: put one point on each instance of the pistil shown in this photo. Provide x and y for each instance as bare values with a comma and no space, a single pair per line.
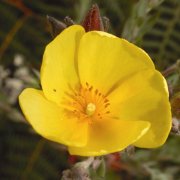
90,109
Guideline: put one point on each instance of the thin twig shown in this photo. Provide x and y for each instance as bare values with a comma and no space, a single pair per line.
33,158
173,68
9,37
19,5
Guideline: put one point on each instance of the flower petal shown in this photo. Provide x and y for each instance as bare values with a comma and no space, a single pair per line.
59,67
144,96
109,136
104,59
161,125
50,121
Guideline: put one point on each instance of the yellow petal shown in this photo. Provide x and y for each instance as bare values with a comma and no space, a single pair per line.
161,120
50,121
59,67
103,60
144,96
109,136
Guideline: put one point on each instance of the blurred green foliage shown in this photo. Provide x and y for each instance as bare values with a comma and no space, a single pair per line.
151,24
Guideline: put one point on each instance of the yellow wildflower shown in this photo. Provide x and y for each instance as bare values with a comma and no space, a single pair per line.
99,94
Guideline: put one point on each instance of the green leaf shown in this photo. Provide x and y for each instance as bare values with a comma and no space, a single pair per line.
25,155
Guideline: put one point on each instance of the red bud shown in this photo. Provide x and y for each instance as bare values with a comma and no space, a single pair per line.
93,20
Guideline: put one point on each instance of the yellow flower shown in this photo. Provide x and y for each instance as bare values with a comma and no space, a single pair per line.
99,94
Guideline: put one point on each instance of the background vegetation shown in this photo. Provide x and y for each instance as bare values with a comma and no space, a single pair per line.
154,25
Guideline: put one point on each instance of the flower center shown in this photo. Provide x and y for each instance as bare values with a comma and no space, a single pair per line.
86,103
90,109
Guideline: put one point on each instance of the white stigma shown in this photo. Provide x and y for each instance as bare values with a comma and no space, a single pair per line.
90,109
